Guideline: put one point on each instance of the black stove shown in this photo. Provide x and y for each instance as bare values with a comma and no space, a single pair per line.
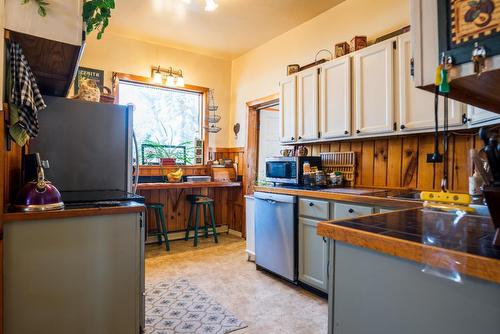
99,198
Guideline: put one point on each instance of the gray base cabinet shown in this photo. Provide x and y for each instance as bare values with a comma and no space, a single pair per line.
313,255
381,294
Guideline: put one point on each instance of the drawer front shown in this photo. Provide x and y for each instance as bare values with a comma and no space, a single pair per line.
314,208
346,210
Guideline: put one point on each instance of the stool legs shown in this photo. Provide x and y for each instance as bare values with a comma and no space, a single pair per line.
196,223
186,237
214,230
158,224
164,230
205,220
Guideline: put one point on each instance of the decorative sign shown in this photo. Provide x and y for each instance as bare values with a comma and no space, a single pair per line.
474,19
89,73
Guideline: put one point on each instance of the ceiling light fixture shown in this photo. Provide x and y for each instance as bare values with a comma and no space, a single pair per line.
210,5
169,77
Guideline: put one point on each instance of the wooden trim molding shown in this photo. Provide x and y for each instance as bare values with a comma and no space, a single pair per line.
116,77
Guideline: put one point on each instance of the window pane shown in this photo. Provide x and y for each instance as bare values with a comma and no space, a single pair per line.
164,116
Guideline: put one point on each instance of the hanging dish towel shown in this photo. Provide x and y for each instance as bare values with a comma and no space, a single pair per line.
25,99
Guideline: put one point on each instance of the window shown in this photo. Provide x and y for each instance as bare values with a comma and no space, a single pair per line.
167,121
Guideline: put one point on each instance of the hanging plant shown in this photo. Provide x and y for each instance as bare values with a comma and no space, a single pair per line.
96,14
42,6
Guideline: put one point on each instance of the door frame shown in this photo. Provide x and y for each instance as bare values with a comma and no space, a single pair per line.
252,142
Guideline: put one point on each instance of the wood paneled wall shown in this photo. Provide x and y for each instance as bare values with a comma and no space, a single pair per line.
237,154
382,162
157,170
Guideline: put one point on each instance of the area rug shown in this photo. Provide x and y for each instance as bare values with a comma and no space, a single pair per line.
180,307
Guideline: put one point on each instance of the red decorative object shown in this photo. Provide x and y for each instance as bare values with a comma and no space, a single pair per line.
167,161
358,43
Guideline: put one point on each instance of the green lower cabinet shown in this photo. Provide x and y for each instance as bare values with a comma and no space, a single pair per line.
313,255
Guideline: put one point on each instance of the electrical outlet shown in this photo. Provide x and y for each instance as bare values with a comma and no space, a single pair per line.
434,158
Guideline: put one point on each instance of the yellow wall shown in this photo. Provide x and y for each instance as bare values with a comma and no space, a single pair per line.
258,72
119,54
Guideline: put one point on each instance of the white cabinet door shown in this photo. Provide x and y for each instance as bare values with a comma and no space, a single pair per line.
288,109
313,255
477,116
416,106
374,92
335,106
308,125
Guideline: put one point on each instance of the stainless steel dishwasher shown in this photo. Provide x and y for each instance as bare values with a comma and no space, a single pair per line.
276,234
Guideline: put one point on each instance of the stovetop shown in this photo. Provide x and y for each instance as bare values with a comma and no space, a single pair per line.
99,198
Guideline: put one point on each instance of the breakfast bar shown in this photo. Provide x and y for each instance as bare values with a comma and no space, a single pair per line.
226,195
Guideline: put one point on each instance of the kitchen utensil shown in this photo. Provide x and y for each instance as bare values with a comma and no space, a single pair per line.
478,163
344,162
287,152
39,194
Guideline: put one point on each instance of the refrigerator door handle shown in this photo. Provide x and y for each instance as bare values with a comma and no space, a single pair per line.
136,176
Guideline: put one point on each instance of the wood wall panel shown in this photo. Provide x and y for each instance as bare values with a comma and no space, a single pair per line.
237,154
383,162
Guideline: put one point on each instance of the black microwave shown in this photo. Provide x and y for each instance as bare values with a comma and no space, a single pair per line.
289,170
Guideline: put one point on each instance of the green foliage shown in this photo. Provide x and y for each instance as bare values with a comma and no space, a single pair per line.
165,148
42,6
96,14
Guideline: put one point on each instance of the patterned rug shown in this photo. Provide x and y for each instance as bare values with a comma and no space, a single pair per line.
179,307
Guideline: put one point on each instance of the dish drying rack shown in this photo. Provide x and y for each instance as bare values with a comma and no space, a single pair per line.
344,162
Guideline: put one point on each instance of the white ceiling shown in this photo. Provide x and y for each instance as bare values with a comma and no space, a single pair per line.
234,28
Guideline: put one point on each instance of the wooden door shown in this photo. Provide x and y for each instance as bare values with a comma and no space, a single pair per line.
374,91
288,109
416,106
308,125
335,110
313,255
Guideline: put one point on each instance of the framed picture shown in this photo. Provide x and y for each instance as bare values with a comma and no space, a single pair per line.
462,23
89,73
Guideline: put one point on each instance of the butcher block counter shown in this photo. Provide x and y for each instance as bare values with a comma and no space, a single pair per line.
227,196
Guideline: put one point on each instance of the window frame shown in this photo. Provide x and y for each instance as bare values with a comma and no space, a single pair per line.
147,81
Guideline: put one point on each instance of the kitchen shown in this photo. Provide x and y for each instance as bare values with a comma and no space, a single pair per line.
286,177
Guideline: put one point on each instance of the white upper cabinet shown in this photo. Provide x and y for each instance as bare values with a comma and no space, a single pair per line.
63,22
288,109
335,98
416,106
307,112
374,91
478,117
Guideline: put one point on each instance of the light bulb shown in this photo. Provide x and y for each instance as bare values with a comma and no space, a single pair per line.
180,81
210,5
157,77
170,80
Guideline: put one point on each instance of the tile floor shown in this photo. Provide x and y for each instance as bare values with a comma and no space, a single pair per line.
267,304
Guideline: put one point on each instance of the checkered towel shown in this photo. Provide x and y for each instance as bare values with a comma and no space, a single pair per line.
25,94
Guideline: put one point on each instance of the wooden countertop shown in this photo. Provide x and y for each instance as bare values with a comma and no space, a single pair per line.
68,213
429,237
186,185
330,194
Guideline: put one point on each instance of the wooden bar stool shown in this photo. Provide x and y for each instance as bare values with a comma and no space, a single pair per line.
161,226
197,201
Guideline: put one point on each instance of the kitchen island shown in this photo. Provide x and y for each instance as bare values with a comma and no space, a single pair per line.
413,271
227,196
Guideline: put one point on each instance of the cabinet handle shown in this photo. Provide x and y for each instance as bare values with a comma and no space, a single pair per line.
300,137
351,210
311,204
292,138
358,131
346,132
324,240
402,127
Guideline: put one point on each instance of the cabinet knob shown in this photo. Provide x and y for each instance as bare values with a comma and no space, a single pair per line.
292,138
311,204
346,132
324,240
300,137
351,210
358,131
402,127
